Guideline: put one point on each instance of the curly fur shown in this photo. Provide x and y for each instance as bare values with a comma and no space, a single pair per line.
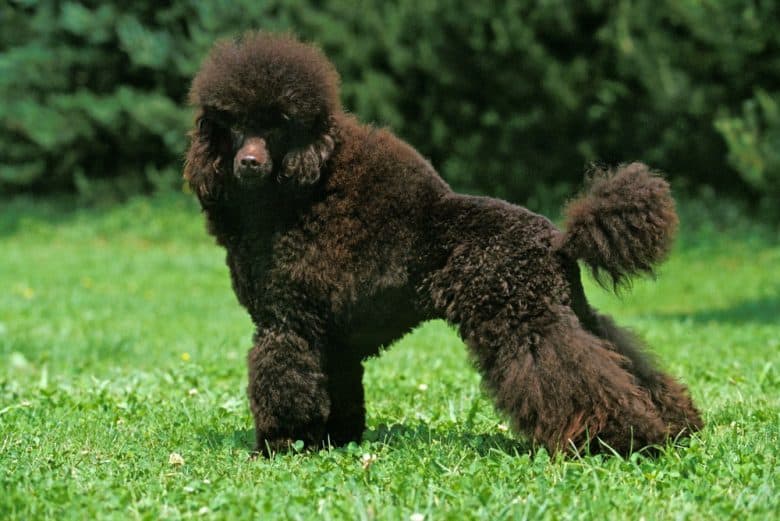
340,238
254,73
623,224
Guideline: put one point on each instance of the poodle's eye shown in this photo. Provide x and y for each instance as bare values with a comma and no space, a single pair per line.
208,124
216,119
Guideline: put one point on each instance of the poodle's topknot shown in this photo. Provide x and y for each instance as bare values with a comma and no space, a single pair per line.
259,70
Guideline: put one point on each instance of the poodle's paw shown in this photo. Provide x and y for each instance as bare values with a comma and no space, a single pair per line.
340,438
269,447
677,410
310,438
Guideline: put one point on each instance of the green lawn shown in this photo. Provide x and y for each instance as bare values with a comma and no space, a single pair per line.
121,344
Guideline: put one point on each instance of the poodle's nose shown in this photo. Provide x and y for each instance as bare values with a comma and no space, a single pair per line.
250,162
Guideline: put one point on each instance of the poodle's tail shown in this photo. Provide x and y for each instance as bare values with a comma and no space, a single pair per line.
622,224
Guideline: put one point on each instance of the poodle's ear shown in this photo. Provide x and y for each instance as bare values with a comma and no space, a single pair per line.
203,164
303,166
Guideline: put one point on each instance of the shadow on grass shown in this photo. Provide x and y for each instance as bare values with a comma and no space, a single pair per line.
763,310
398,436
242,439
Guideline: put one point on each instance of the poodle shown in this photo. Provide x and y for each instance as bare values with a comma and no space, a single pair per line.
340,238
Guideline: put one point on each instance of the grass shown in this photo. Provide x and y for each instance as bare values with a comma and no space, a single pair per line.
122,346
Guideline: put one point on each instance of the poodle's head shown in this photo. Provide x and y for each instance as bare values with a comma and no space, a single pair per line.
265,114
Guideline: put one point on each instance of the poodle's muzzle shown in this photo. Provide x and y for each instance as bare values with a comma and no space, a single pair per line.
252,162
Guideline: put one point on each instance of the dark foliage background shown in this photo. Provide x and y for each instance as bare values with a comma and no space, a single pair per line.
509,98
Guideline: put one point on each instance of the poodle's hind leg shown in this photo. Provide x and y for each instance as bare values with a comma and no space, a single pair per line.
669,396
563,386
347,419
287,391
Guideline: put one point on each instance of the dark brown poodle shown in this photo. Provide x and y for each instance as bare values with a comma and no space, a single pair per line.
340,238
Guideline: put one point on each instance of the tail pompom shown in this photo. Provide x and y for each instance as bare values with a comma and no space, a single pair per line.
622,224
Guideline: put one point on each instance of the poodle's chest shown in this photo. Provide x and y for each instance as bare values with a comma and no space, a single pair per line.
341,282
379,320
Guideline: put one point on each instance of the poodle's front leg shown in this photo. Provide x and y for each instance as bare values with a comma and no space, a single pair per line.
347,419
287,391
